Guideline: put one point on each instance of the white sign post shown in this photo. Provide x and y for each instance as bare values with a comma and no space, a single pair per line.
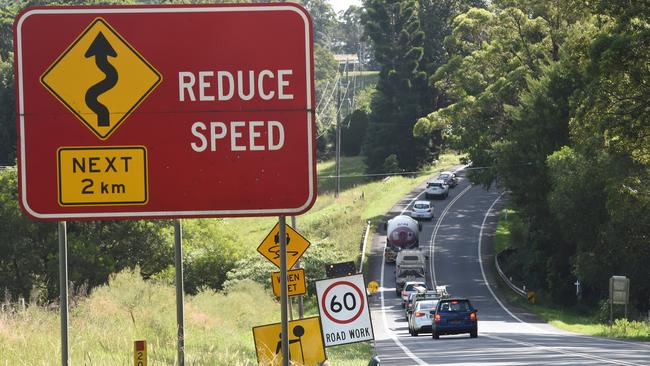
344,312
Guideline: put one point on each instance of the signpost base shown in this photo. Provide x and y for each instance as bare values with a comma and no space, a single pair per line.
63,290
178,237
283,291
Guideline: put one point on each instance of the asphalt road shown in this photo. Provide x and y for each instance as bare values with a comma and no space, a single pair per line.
463,226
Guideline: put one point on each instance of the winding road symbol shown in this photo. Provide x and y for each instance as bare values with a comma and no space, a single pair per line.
100,49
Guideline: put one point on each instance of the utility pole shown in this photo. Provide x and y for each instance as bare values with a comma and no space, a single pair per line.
338,134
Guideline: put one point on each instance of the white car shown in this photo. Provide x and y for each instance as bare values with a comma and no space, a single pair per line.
422,210
411,286
420,319
436,188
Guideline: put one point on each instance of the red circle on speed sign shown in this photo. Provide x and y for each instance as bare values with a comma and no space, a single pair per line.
344,302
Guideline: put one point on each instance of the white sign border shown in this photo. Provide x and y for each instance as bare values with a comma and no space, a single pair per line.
163,214
321,315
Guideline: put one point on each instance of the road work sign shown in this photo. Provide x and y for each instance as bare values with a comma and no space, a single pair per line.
344,312
220,106
296,284
305,343
296,246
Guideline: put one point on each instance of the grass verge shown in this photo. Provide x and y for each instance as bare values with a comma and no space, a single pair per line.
578,319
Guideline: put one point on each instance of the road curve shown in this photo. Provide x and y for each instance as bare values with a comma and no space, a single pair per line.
463,226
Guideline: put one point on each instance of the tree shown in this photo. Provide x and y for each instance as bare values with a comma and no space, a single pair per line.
324,21
394,30
353,133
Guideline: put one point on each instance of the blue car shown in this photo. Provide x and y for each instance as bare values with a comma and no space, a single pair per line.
454,316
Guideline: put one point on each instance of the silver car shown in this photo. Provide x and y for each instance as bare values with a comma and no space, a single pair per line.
436,188
422,210
420,319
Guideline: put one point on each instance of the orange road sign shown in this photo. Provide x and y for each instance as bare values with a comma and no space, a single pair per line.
373,286
296,284
296,246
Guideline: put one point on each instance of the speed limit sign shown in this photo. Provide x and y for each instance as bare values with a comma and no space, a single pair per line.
344,313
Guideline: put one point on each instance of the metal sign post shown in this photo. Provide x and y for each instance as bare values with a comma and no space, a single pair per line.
298,265
178,237
284,337
63,290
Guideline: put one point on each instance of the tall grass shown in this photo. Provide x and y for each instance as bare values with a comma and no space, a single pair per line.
103,326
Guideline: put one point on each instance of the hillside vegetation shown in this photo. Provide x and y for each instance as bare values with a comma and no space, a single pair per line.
219,324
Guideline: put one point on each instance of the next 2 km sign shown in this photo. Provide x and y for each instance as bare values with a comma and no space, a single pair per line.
165,111
344,310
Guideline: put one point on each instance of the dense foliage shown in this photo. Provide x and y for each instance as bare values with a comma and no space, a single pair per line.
406,36
551,97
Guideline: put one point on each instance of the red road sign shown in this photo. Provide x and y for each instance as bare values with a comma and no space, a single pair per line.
343,306
355,292
165,111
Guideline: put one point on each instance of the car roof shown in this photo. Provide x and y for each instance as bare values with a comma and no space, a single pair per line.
450,299
412,282
437,181
446,172
422,202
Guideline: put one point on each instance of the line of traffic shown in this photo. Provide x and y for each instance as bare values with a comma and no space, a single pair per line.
390,333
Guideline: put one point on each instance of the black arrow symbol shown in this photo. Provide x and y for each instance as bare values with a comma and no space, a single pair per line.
101,49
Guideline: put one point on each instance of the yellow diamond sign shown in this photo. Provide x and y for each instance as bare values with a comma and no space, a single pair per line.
296,246
101,78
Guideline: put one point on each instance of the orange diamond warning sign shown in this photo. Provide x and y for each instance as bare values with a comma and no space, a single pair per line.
101,78
296,246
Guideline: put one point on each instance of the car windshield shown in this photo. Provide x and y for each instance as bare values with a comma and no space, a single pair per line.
437,185
427,304
411,286
429,295
423,206
412,272
443,176
455,305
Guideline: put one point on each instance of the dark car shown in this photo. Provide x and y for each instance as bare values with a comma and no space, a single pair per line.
454,316
449,178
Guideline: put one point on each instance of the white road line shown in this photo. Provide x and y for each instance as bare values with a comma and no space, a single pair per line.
554,349
563,351
432,243
391,334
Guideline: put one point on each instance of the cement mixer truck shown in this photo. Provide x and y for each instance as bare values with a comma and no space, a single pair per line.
402,232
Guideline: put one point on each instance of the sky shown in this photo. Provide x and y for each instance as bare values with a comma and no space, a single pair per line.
342,5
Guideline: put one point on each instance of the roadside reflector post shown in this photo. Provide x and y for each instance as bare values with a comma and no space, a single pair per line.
284,335
63,290
140,353
178,237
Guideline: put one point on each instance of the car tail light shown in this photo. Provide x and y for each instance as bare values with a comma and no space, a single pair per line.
437,318
472,317
419,313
